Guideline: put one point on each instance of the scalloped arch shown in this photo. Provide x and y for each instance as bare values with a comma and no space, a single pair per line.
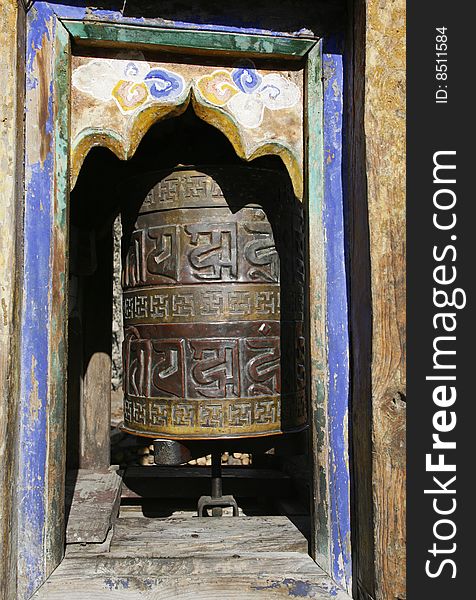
124,148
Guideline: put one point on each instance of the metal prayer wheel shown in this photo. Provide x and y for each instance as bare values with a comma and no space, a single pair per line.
212,279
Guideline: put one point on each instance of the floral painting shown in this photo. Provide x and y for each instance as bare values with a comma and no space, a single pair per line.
247,93
131,84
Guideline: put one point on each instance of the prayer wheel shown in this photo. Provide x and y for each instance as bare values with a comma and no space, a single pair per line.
212,279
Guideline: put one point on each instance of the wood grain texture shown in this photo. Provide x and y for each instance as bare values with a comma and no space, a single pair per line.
12,34
383,133
203,587
385,139
378,291
93,499
219,574
191,557
269,563
179,537
82,549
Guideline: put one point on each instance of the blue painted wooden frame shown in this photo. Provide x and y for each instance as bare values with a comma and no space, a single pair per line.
44,314
337,324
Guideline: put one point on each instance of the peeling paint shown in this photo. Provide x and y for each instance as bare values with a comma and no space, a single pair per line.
337,324
35,309
39,29
120,583
80,12
298,588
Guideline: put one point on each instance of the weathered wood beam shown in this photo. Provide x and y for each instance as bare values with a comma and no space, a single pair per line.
377,233
204,587
360,313
318,376
95,411
246,562
40,484
192,40
192,482
92,504
12,34
192,536
58,297
385,141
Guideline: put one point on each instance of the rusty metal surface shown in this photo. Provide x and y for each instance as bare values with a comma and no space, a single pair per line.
213,294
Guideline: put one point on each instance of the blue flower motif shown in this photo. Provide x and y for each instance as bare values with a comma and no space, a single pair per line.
246,77
164,84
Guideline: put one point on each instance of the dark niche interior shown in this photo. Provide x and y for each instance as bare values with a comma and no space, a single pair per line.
267,475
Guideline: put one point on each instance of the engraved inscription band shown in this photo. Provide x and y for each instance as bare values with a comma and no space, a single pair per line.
201,303
189,418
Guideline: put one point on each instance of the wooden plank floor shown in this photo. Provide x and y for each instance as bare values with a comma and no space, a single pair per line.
193,536
180,556
92,503
186,557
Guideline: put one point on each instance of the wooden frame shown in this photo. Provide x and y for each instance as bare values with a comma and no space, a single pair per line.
182,40
45,276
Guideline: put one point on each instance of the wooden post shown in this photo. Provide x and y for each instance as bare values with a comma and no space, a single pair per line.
385,129
377,229
95,413
12,34
43,359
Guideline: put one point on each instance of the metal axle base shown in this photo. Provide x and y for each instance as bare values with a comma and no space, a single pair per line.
217,501
206,502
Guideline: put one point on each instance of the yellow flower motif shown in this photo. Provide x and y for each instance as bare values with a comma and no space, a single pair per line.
218,87
129,95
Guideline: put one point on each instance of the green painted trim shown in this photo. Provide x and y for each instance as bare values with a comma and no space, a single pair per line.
180,39
225,44
101,34
58,316
319,377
